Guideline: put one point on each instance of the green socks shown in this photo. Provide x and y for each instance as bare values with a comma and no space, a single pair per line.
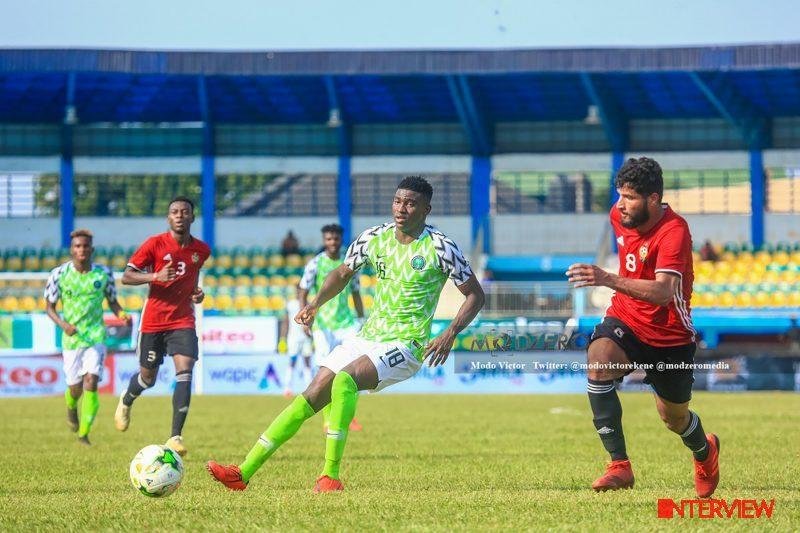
326,414
282,429
344,396
72,403
89,407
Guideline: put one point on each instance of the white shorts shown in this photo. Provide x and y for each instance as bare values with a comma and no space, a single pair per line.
394,361
83,361
326,340
298,344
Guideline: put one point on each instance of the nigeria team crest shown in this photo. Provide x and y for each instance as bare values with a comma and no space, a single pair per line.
417,262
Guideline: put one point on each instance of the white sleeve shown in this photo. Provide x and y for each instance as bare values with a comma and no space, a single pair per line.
309,275
358,251
451,260
52,292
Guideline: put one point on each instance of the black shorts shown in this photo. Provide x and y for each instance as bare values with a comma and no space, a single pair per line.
674,385
154,346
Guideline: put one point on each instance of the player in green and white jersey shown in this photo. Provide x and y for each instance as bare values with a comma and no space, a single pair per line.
413,261
82,286
335,321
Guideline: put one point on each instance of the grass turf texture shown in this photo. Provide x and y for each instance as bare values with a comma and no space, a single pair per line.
422,462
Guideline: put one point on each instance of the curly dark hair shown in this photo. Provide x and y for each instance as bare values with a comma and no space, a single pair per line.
643,175
333,228
185,199
417,184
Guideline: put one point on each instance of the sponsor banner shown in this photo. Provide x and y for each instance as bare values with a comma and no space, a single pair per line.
245,374
127,365
240,335
31,376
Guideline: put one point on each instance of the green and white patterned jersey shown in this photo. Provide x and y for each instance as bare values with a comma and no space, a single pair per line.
336,313
410,279
82,297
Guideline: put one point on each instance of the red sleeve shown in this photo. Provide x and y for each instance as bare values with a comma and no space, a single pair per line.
143,258
674,251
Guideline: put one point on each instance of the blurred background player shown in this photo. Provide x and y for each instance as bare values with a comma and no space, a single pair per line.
81,286
170,262
648,322
413,261
335,321
296,343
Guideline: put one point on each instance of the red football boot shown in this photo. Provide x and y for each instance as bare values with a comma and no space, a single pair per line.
326,484
619,475
228,475
355,426
706,473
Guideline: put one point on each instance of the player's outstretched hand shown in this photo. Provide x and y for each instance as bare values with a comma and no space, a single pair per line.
439,348
167,273
198,295
69,329
306,316
583,275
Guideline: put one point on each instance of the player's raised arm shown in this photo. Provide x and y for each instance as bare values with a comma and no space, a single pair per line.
334,283
439,348
660,291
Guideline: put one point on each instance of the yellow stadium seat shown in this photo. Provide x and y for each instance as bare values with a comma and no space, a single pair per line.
763,257
242,302
737,278
9,304
210,262
781,258
790,276
728,256
794,298
366,281
28,304
727,299
771,277
224,261
294,261
119,262
278,281
745,257
367,300
223,302
795,257
209,302
243,281
277,302
134,302
14,264
744,299
779,299
241,261
762,299
723,267
32,263
260,302
41,304
225,281
49,262
292,280
210,281
258,261
260,281
705,267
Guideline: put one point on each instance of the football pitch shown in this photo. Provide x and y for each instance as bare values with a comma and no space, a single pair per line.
422,462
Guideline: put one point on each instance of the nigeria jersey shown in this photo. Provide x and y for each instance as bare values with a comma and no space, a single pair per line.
410,278
336,313
82,297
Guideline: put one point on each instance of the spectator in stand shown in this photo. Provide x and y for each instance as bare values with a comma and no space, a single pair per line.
708,253
289,245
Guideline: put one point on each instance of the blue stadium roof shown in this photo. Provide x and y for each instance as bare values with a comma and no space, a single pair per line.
745,84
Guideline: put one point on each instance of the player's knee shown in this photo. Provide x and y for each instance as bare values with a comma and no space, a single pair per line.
146,381
674,422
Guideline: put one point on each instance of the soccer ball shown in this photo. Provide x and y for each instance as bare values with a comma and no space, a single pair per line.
156,471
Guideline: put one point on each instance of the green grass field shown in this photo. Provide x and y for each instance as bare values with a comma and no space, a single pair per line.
422,463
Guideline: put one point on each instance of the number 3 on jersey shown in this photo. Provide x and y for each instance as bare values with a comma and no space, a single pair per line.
630,263
181,269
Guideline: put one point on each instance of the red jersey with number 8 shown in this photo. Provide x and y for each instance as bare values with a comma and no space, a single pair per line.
667,247
169,305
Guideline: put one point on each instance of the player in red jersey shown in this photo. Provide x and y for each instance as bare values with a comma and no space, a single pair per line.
170,262
648,323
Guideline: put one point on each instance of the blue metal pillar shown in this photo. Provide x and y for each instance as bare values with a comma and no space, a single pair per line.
480,185
344,184
757,193
208,182
67,170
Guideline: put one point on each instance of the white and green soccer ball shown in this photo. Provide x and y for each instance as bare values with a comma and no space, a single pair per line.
156,471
